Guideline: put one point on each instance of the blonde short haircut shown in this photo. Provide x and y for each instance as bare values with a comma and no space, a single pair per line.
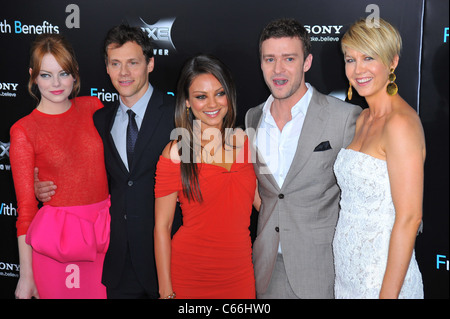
383,41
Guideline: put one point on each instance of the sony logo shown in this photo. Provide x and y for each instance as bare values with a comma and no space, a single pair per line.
9,266
324,29
8,86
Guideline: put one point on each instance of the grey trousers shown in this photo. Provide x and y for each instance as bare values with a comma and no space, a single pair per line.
279,287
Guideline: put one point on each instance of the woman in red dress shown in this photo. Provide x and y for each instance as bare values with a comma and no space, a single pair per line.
208,171
62,245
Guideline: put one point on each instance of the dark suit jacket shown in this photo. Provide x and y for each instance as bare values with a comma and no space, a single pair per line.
132,193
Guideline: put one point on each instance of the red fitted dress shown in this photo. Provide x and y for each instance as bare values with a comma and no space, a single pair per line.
70,234
211,252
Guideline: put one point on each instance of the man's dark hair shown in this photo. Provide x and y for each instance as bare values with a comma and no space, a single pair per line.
121,34
286,28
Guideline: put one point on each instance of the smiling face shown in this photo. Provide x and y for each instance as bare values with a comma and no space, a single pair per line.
208,101
128,70
367,74
284,66
54,83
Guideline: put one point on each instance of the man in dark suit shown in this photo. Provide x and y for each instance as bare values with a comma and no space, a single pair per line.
129,269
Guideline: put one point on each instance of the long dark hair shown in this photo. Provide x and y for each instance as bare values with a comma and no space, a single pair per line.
200,64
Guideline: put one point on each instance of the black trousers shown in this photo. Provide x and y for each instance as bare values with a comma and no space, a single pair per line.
129,286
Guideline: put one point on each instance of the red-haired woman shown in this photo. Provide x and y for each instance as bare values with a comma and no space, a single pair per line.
62,245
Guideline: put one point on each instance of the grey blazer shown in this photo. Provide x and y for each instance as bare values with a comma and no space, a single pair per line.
302,215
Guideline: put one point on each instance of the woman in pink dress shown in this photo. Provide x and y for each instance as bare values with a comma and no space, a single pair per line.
62,245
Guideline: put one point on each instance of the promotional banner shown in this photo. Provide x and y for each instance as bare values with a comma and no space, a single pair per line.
432,245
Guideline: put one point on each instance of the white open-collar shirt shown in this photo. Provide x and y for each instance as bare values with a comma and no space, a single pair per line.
278,147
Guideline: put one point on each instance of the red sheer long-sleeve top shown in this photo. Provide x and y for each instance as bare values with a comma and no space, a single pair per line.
67,149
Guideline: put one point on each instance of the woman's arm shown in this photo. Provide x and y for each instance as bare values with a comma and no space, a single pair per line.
164,213
257,199
26,287
405,156
22,158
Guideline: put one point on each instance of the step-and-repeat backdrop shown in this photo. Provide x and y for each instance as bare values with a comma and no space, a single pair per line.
230,30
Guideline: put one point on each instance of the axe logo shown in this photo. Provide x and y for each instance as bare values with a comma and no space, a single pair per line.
159,33
4,150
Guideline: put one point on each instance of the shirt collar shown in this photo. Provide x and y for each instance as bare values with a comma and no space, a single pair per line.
300,107
141,105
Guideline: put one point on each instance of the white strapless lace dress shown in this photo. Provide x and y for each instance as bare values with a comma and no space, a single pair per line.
363,231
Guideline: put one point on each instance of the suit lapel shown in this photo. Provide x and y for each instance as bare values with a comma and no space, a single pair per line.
261,166
149,123
111,146
313,126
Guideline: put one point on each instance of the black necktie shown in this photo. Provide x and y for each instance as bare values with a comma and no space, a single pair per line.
132,133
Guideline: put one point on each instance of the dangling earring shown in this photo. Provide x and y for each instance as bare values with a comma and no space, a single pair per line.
187,111
392,88
350,91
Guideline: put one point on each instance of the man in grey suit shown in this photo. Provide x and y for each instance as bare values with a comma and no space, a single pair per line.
299,133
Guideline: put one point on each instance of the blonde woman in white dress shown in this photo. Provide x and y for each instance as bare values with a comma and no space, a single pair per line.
380,174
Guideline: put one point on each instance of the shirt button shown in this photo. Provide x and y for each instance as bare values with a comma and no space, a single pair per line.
130,183
281,196
125,216
277,229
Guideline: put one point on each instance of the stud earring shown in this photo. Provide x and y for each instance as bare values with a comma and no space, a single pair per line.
392,88
350,91
187,111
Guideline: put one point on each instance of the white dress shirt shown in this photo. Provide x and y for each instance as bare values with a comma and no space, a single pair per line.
119,128
278,147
